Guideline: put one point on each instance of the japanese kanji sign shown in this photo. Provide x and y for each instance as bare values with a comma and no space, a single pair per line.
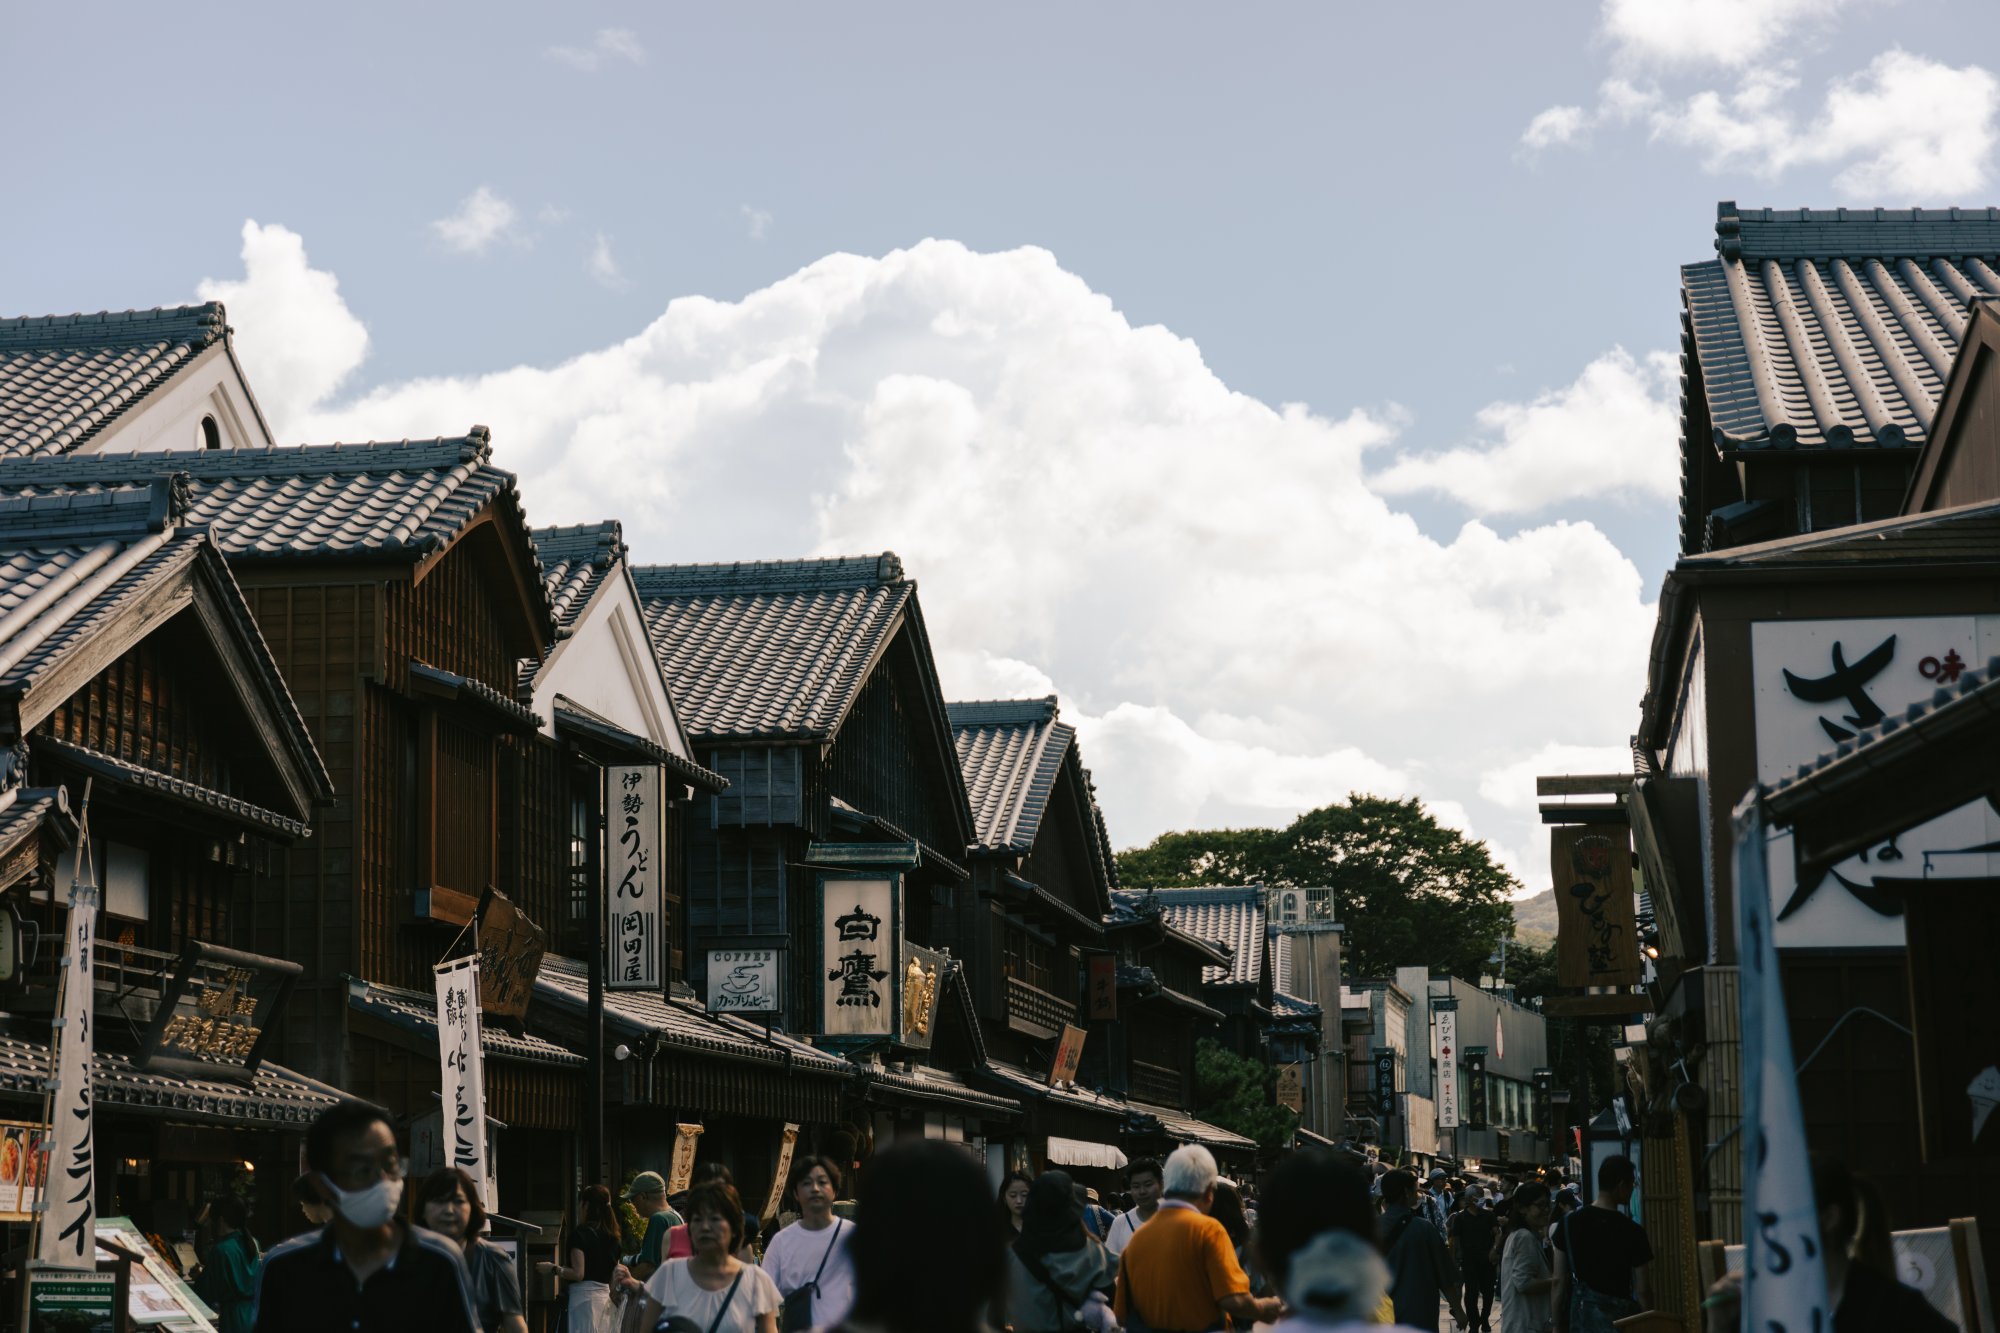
1102,970
212,1017
463,1072
1447,1064
1820,682
1475,1087
745,981
511,946
924,972
1069,1051
1291,1086
1597,939
858,955
68,1237
635,923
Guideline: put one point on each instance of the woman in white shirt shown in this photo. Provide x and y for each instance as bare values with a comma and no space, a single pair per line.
713,1291
1525,1280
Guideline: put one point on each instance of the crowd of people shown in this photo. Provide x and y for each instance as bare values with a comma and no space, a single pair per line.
1330,1242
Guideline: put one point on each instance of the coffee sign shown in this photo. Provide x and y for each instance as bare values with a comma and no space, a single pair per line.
744,981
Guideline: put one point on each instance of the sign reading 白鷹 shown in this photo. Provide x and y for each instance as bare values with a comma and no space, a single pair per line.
745,981
859,931
1447,1058
634,878
463,1072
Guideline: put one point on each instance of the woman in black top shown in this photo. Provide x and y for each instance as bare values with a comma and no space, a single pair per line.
590,1260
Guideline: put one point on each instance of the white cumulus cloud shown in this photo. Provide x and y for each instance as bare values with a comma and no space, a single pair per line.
1242,626
608,45
602,265
1727,33
1554,126
483,217
295,336
1612,432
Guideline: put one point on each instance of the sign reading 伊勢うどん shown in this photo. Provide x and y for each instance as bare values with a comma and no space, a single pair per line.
634,878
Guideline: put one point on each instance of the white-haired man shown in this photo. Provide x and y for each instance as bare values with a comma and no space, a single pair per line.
1179,1273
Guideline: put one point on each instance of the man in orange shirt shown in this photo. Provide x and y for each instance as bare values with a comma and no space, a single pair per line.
1179,1274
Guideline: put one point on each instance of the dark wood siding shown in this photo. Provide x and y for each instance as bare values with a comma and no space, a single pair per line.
887,758
454,618
766,785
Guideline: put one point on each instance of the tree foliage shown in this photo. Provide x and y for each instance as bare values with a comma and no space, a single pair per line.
1410,891
1238,1094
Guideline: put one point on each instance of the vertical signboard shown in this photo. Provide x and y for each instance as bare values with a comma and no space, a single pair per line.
1475,1087
1069,1051
1102,973
462,1070
1385,1082
1291,1091
634,878
68,1237
1545,1080
923,972
1597,937
1447,1079
511,947
858,933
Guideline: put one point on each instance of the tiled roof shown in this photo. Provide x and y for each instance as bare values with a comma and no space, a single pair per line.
403,499
778,649
574,562
477,692
187,793
1018,1080
574,717
927,1084
416,1012
24,814
1146,984
1010,752
1975,692
63,377
275,1095
1835,328
1291,1006
1133,907
565,981
1966,534
1232,916
1184,1127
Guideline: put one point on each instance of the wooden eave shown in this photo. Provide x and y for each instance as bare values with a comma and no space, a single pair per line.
1975,350
528,603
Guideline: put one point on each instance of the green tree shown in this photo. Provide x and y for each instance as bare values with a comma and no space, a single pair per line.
1238,1094
1410,891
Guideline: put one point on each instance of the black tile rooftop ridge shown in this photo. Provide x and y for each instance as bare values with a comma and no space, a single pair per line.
1825,233
1001,712
279,460
601,542
71,519
196,324
768,576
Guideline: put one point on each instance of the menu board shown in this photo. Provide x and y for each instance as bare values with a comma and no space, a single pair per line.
156,1298
23,1162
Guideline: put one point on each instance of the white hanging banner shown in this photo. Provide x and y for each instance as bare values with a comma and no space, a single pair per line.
634,879
463,1074
1784,1275
1447,1057
68,1237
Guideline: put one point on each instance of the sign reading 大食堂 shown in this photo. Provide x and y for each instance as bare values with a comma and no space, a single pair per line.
462,1069
634,878
1447,1063
1819,682
744,981
858,935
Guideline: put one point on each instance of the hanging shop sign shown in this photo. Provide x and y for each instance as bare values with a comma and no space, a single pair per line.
68,1234
22,1164
681,1173
1597,939
859,931
1069,1052
924,973
462,1069
1292,1086
511,947
1385,1083
782,1174
1475,1087
1545,1080
746,981
1102,975
635,867
1446,1010
212,1018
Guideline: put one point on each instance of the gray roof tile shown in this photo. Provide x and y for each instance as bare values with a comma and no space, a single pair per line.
275,1095
1233,916
574,562
1967,534
1010,752
416,1012
1835,328
64,377
776,649
1184,1127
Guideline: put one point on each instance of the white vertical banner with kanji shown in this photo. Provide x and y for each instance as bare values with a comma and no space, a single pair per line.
1447,1058
68,1236
462,1069
634,879
1784,1273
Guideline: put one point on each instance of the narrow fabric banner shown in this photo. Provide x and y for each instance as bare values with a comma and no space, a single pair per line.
68,1237
1447,1080
685,1138
1784,1274
462,1072
776,1203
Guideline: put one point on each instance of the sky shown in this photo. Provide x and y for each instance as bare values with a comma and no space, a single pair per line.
1291,389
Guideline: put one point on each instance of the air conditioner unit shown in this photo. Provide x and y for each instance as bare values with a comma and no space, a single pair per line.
1291,907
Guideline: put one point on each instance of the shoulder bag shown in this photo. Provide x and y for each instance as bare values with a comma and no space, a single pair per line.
796,1314
680,1323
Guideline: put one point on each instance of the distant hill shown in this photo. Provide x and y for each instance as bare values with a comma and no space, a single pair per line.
1535,918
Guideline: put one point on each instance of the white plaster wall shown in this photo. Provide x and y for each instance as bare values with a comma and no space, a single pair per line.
170,418
607,666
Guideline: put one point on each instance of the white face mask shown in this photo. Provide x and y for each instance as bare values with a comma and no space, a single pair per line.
369,1208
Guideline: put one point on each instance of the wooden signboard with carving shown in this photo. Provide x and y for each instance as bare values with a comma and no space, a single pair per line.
510,954
1597,939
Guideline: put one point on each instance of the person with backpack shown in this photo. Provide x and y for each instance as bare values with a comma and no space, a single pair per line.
810,1260
1601,1256
1420,1267
1057,1275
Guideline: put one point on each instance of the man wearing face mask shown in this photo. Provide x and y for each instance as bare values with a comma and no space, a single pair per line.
367,1272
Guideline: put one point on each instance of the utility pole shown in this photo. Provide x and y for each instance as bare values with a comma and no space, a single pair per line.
593,1023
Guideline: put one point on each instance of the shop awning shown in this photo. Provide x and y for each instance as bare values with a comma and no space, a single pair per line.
416,1012
1017,1081
1079,1152
275,1098
579,723
941,1088
1185,1128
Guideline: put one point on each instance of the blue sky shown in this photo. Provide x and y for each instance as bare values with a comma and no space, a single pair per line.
1448,234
